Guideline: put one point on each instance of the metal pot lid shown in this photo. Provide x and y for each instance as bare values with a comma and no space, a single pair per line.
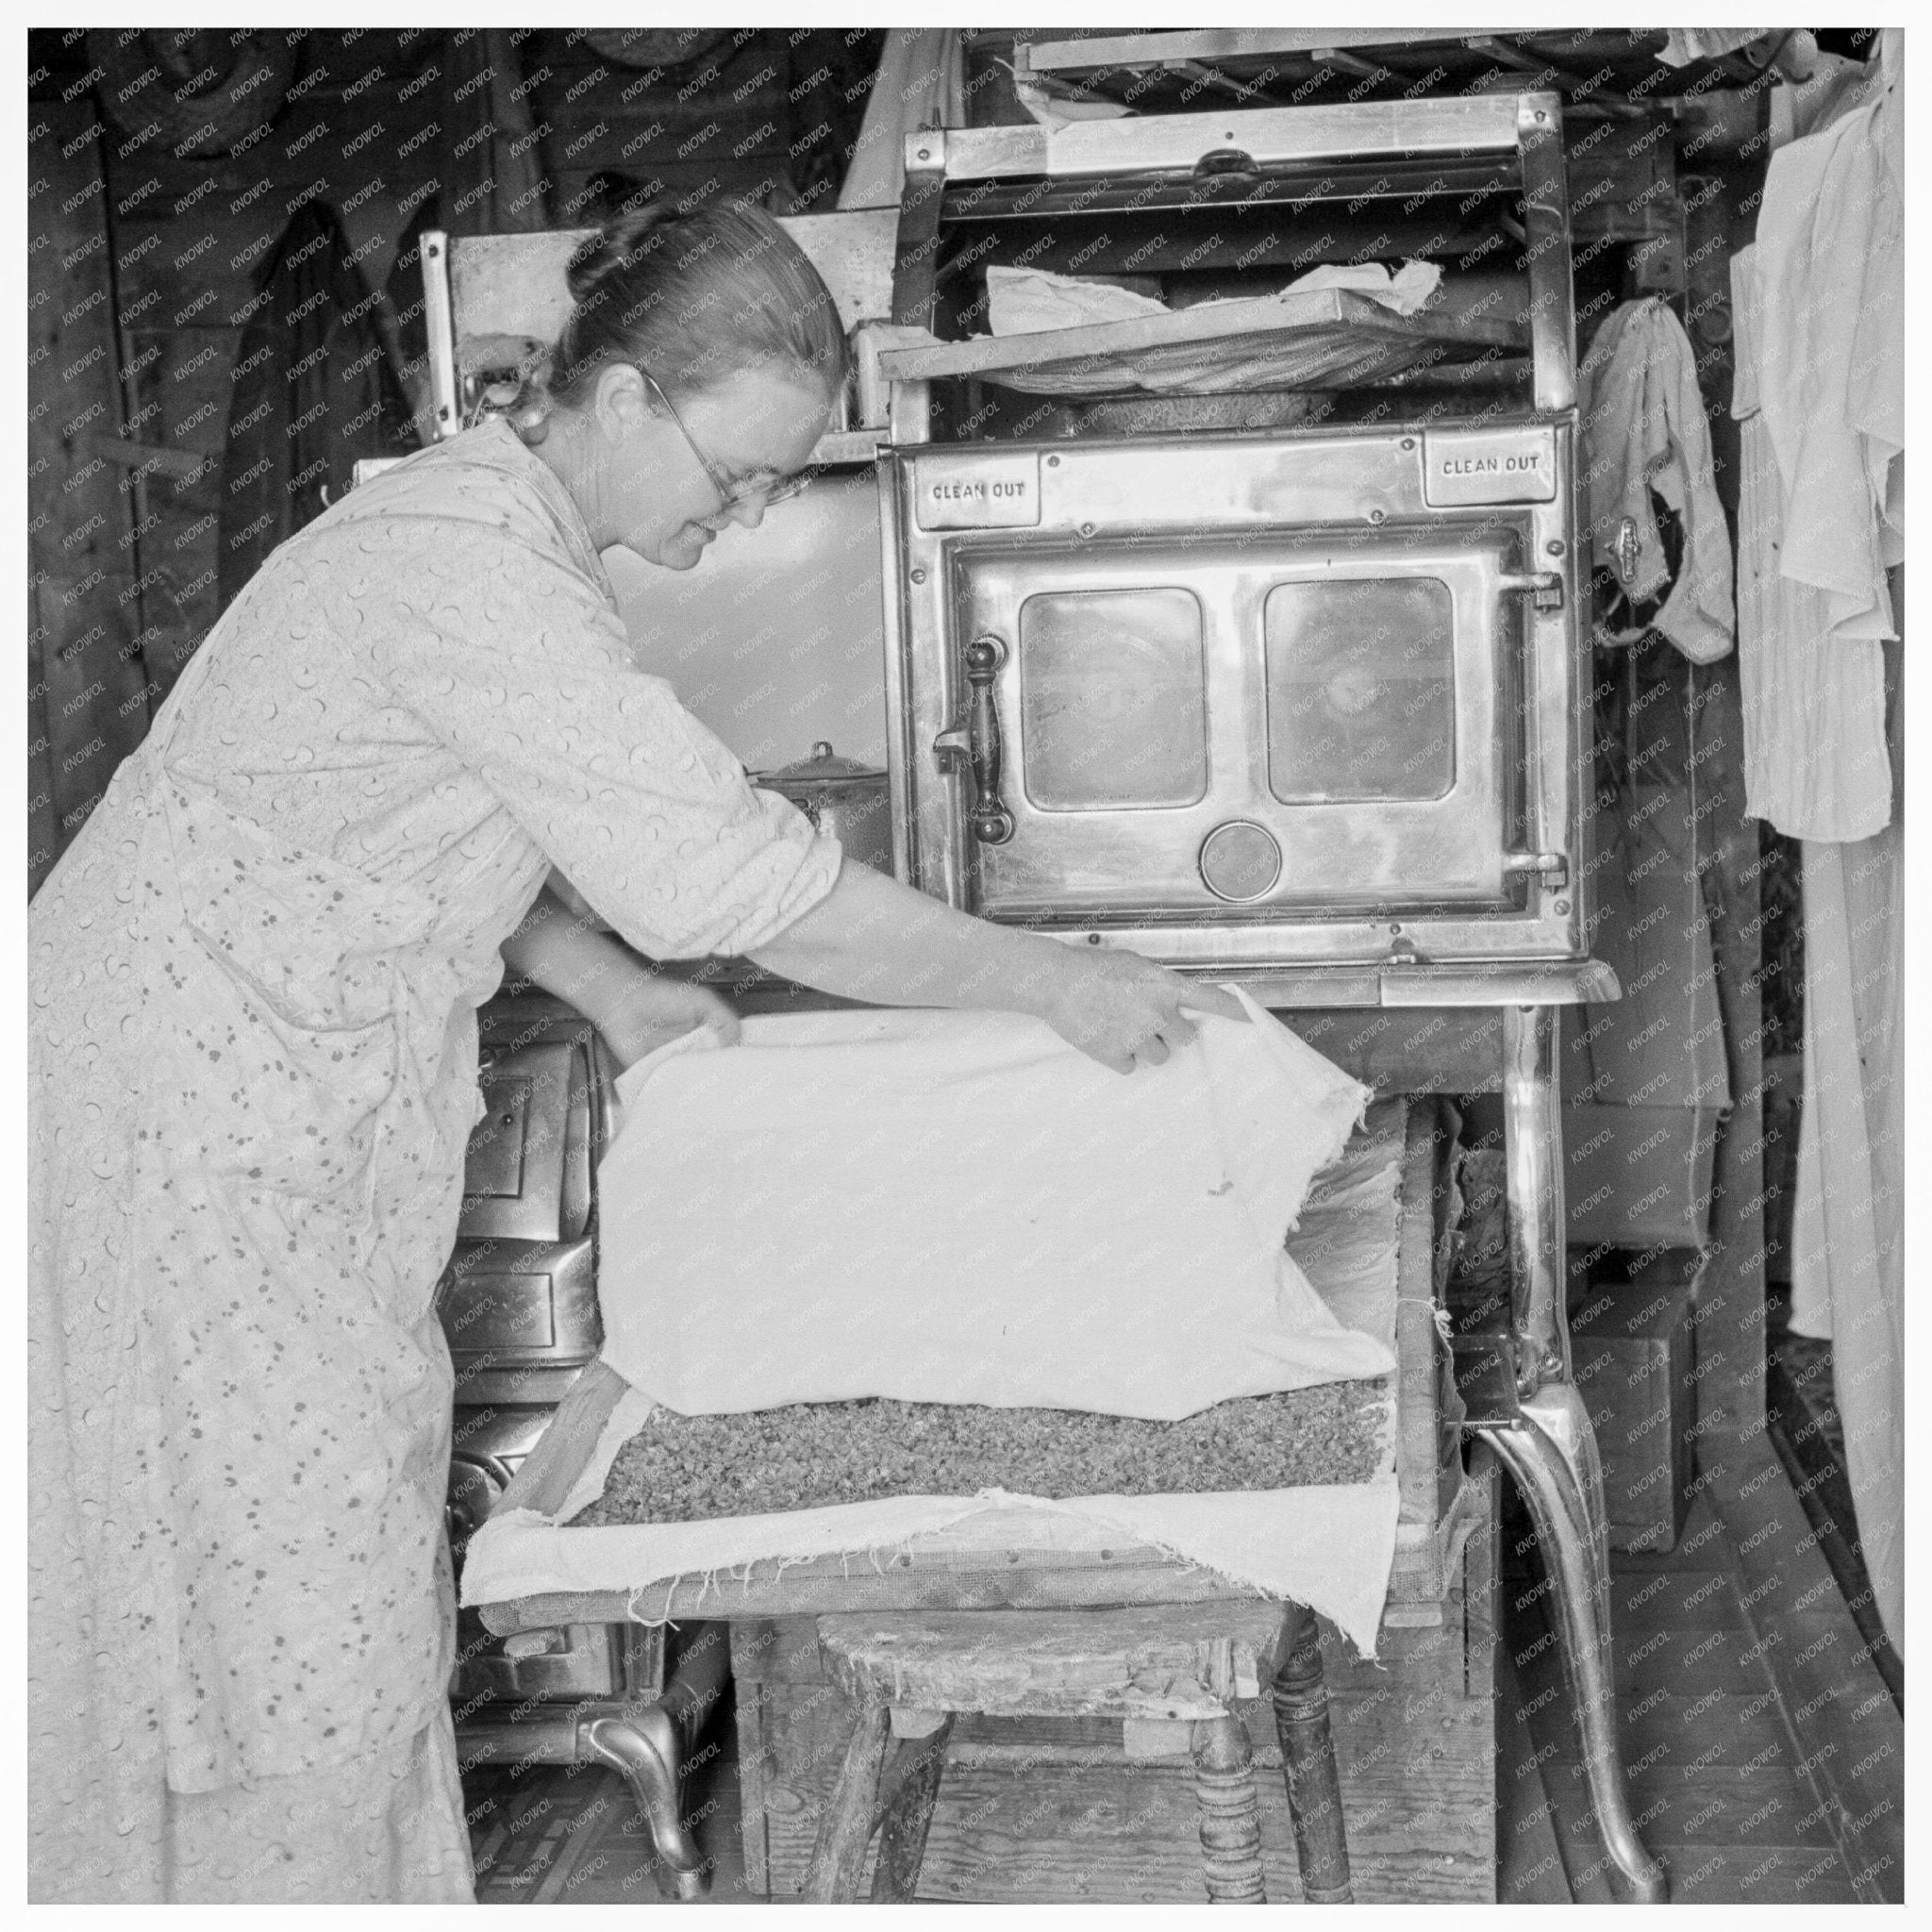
824,767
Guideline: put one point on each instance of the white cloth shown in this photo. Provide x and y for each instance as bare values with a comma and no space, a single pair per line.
1848,1220
1684,45
1833,83
1404,290
1645,429
1055,110
1026,301
1330,1546
920,82
938,1206
1815,759
1831,357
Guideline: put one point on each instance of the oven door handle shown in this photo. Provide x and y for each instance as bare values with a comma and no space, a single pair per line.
975,738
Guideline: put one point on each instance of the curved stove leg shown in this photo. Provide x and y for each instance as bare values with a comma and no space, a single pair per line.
1551,1452
645,1749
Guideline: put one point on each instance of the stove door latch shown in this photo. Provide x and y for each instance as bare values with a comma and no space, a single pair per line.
1553,866
1545,586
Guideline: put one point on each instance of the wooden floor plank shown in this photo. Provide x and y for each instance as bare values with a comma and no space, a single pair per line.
1687,1663
1847,1730
1529,1862
1754,1875
1763,1811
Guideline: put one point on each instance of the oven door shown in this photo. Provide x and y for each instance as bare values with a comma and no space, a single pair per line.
1259,733
1214,733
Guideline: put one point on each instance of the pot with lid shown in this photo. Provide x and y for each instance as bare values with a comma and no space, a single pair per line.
841,796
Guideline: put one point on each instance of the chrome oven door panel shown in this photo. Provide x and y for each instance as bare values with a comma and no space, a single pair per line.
1411,778
1151,697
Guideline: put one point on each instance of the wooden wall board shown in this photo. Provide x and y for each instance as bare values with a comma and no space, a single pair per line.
88,700
1849,1736
1409,1050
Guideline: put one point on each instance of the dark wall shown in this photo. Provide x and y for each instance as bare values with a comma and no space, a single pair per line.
166,167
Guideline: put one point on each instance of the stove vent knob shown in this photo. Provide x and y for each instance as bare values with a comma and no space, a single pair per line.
1239,860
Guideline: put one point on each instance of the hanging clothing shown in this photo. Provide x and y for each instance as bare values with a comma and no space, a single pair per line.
314,390
921,82
1645,440
1831,354
253,1066
489,152
1848,1220
1815,758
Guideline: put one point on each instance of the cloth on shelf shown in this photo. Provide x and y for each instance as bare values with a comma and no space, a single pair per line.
1831,353
1404,290
1024,301
1685,44
942,1207
1644,434
1056,104
1813,702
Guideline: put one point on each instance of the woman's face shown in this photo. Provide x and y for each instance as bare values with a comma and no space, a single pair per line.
640,482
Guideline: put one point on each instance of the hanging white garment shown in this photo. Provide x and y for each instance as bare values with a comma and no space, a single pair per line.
1815,759
919,83
1834,82
1874,387
1645,429
1830,364
1848,1246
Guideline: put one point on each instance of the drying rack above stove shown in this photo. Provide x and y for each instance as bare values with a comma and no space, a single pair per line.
1012,195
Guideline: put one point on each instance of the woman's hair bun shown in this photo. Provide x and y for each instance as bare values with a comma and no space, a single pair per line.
694,298
612,247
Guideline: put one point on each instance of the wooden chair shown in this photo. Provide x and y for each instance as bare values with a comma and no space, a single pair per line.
1169,1673
1435,1633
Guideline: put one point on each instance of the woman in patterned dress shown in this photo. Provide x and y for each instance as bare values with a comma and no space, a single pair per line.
253,1054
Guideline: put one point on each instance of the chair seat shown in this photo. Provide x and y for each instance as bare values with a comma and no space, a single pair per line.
1162,1668
1160,1661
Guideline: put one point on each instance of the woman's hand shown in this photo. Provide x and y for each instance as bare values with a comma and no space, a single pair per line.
1126,1011
874,938
641,1011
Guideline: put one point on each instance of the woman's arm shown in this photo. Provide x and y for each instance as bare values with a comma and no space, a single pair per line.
634,1009
874,939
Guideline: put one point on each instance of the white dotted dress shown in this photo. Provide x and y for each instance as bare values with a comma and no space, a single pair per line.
253,1064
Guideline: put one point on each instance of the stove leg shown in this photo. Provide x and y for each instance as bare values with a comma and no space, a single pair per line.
645,1749
1546,1441
1552,1455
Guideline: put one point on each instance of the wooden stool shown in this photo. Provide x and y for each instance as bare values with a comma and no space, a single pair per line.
911,1674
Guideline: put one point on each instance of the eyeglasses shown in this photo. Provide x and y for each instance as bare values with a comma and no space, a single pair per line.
731,495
